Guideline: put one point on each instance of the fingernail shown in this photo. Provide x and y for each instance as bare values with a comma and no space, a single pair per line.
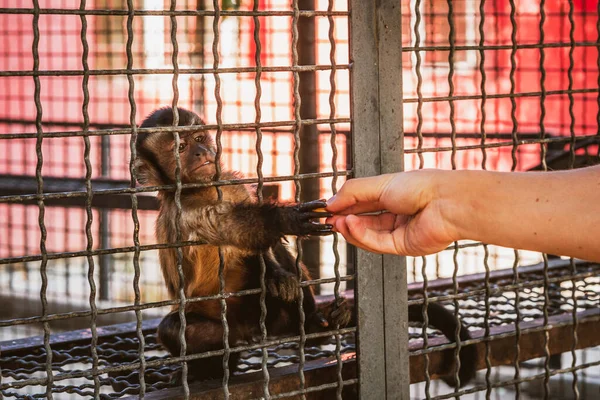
331,200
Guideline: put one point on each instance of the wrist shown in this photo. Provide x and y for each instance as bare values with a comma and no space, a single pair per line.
457,196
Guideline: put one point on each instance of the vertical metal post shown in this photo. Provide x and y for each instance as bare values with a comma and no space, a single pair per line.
104,260
376,85
391,133
198,82
309,135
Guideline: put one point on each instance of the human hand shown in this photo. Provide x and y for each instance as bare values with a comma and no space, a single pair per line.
412,219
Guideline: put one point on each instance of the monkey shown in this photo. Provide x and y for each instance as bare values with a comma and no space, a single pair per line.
239,231
244,230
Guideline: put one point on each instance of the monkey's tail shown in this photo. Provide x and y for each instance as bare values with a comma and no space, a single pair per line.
445,321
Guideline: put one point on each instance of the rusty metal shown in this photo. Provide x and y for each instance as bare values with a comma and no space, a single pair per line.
170,13
513,315
49,196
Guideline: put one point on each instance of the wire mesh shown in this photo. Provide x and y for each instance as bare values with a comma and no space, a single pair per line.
516,76
485,85
134,49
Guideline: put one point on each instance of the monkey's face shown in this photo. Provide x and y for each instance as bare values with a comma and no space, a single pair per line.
197,155
157,163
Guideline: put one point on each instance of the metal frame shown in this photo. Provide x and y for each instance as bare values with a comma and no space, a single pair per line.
376,56
381,369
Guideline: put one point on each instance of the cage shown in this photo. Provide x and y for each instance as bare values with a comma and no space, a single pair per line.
299,96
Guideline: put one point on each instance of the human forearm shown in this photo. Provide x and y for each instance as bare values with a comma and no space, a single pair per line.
557,212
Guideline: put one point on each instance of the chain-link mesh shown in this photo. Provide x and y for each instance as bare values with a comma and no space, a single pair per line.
296,95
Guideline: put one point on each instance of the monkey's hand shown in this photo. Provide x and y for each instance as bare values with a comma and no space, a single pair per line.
283,284
337,314
328,316
299,219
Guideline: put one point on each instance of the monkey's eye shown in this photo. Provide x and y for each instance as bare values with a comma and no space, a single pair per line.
200,138
181,147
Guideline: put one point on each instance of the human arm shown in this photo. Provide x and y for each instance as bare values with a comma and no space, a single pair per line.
551,212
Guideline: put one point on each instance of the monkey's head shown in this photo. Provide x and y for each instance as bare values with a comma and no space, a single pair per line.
155,151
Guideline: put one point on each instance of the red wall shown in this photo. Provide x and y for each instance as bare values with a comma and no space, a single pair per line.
60,49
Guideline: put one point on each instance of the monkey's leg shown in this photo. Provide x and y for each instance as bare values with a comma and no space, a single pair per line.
202,335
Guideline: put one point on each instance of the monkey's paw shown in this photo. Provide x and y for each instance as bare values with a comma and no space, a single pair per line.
283,285
328,316
340,314
299,219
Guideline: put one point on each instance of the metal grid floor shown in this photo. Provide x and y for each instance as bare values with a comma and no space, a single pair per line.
487,306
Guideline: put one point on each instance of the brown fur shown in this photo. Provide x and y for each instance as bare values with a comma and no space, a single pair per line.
244,230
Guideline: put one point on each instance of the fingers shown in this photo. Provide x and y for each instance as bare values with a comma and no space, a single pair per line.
372,233
339,225
385,221
359,195
401,193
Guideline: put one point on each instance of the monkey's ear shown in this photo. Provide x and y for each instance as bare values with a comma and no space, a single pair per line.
143,171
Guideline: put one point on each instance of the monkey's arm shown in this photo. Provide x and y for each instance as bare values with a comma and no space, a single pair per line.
253,226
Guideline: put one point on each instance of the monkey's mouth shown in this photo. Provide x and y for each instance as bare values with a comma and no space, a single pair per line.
206,163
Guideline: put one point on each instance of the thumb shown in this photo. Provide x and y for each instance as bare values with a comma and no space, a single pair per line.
378,241
359,195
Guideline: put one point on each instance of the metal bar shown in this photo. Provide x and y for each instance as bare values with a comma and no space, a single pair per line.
41,206
260,195
166,71
104,129
364,57
135,203
310,150
178,190
298,185
219,119
104,263
391,147
88,206
171,13
334,157
265,126
484,136
515,126
108,202
572,159
22,198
